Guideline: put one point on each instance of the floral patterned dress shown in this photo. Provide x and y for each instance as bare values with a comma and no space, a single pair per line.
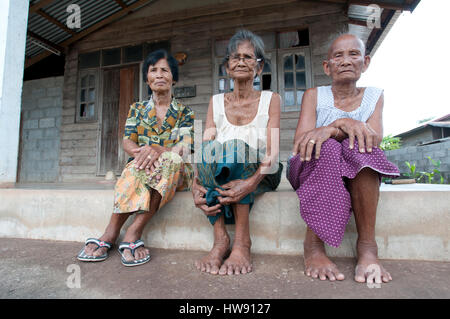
132,190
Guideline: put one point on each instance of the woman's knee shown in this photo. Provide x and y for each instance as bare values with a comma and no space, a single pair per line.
170,161
330,147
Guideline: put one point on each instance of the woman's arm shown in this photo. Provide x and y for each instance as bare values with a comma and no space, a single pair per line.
368,134
210,129
198,191
307,136
270,163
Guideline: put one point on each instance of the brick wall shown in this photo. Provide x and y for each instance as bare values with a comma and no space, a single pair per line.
41,121
418,155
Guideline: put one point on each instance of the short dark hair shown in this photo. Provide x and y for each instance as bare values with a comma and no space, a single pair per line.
154,57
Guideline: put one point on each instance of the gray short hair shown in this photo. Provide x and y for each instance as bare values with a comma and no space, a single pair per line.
242,36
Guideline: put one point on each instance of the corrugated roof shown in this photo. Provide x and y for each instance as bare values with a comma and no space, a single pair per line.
91,13
43,32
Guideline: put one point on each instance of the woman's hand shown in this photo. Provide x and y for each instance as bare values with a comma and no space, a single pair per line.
304,144
147,158
235,190
199,193
366,136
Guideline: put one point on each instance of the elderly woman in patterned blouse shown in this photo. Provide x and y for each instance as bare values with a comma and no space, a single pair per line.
157,134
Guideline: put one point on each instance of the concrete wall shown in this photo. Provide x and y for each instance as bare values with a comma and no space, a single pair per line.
41,120
418,155
412,221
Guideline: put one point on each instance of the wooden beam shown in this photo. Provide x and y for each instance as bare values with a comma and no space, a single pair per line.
55,22
382,4
37,37
39,5
89,30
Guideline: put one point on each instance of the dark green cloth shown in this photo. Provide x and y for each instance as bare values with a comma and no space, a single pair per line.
222,163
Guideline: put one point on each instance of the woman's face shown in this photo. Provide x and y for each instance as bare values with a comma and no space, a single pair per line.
242,64
159,76
346,60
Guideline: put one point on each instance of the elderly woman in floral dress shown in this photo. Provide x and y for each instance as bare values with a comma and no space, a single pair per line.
158,132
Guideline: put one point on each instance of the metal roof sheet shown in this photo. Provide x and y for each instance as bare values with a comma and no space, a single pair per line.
91,13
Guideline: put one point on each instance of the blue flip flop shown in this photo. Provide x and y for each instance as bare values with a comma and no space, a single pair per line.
132,247
100,244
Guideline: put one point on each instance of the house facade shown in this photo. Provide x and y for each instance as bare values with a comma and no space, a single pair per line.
84,110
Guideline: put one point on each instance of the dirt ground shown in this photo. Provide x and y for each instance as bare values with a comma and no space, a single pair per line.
48,269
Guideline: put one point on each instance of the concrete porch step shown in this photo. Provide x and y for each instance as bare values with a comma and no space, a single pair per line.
413,221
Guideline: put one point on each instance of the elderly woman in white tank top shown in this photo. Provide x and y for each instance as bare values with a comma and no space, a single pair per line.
240,156
337,166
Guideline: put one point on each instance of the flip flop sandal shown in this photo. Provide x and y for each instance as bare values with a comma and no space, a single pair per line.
132,247
100,244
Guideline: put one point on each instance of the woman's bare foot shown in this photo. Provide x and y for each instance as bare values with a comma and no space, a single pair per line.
317,264
239,261
368,268
211,263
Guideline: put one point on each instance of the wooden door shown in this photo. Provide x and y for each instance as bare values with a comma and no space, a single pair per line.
129,93
120,90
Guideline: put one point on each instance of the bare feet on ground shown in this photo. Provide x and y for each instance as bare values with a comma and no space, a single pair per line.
239,261
368,268
317,264
211,263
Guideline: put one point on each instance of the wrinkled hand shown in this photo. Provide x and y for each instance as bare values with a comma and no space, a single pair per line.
305,143
147,158
199,193
234,191
366,136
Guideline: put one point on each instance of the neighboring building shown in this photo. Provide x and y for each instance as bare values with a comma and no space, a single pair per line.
427,133
84,106
430,139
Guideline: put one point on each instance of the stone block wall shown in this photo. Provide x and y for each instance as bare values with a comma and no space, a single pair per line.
40,138
419,155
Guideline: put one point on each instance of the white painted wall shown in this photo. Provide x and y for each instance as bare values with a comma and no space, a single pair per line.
13,29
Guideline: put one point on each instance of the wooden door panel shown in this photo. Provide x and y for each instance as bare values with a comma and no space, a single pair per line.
129,92
109,139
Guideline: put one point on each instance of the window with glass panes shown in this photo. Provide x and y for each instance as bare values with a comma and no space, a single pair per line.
87,98
294,77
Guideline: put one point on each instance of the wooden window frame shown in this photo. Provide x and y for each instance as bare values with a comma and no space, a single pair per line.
308,75
82,73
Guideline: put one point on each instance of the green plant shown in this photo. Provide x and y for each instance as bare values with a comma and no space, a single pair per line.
390,143
412,171
434,173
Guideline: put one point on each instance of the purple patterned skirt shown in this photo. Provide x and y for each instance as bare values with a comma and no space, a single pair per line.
325,203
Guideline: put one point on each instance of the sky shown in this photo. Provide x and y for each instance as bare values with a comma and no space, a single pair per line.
412,65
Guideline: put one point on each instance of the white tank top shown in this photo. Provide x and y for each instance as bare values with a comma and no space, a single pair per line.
327,113
253,133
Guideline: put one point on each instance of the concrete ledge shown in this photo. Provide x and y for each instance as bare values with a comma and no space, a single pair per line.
413,221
